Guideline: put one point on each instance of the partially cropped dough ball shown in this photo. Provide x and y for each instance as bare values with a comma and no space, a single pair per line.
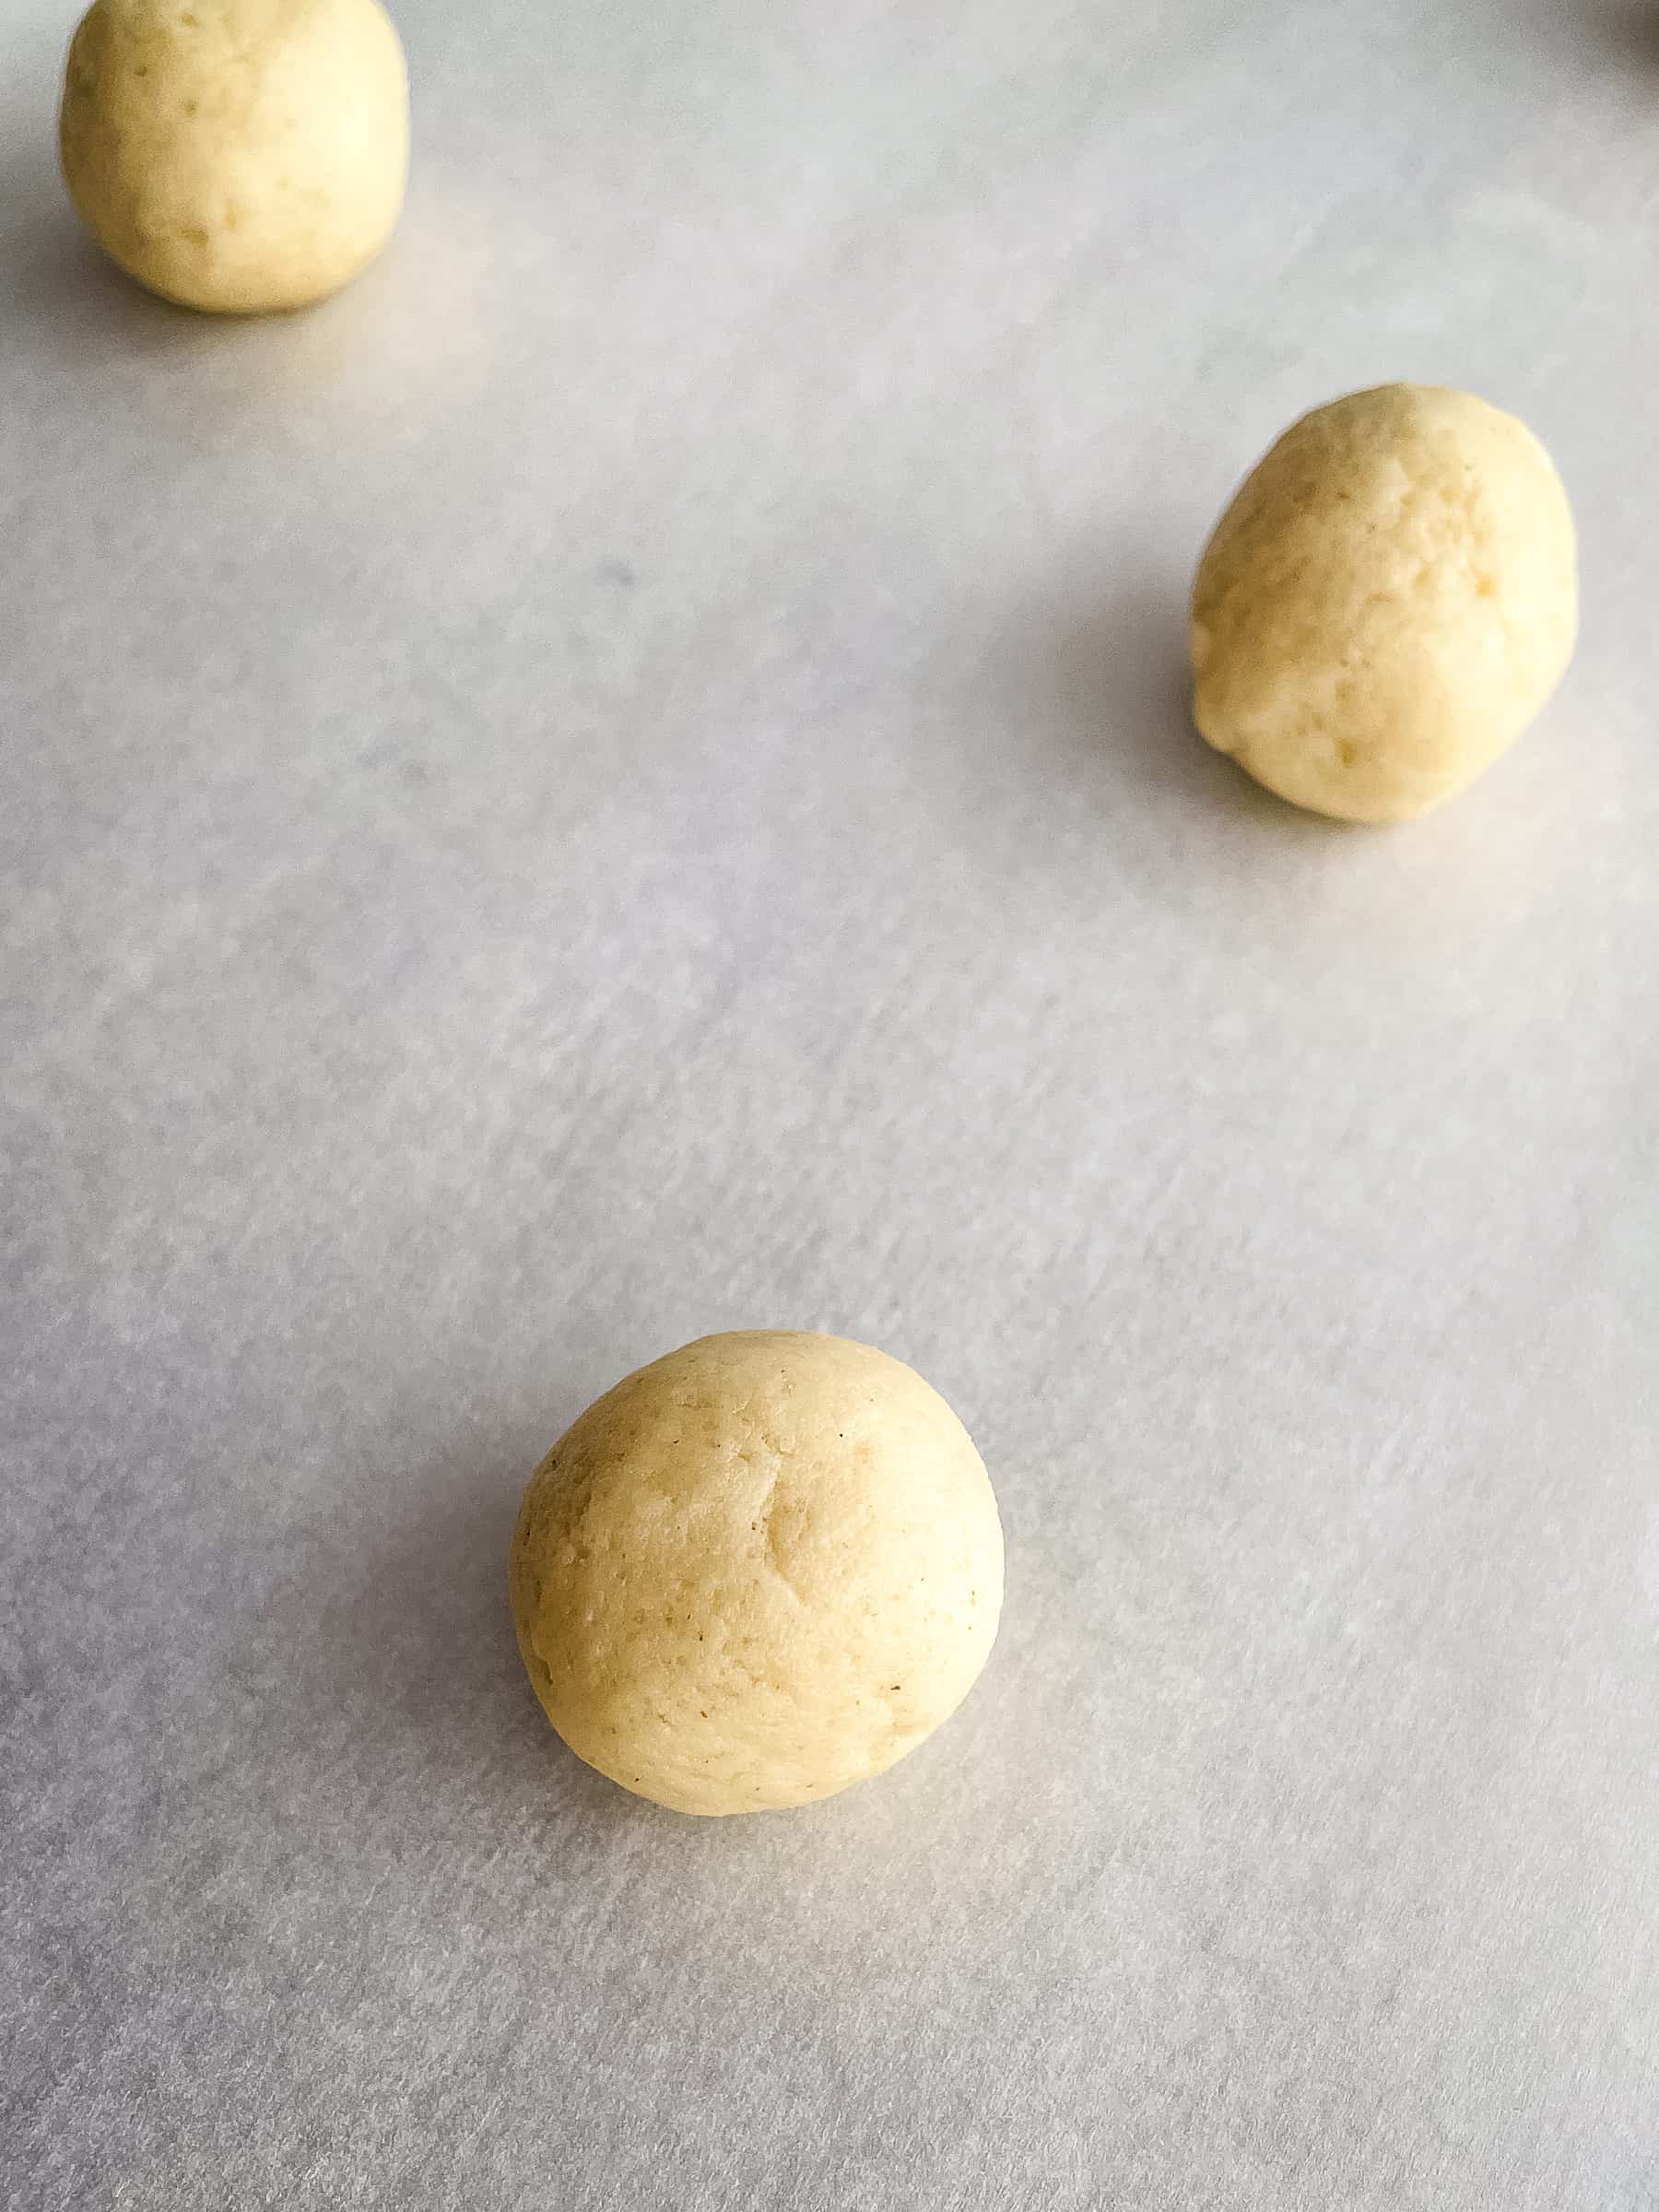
1388,602
241,156
756,1571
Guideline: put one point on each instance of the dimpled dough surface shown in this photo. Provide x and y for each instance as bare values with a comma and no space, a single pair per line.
1387,603
756,1571
241,156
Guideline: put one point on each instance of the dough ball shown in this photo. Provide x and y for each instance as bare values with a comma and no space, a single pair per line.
1388,602
756,1571
236,155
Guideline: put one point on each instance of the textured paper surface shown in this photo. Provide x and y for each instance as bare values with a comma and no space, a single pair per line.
629,777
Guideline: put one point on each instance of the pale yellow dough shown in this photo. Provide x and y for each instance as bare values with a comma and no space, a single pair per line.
759,1569
1387,603
241,156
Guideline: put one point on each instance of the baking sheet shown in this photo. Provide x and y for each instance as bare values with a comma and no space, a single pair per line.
631,776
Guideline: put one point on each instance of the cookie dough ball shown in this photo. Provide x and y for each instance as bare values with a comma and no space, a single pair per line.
1388,602
756,1571
236,155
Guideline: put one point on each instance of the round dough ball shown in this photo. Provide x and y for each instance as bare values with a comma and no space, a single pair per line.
756,1571
236,155
1388,602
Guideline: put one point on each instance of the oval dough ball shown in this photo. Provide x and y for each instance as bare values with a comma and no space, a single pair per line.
756,1571
241,155
1387,603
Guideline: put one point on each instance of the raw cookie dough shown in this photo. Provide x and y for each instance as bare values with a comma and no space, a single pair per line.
1387,603
236,155
757,1571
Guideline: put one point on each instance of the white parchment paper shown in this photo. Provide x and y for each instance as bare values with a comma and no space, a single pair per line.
631,776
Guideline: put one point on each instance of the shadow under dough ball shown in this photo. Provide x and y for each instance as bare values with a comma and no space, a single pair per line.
1389,600
756,1571
238,156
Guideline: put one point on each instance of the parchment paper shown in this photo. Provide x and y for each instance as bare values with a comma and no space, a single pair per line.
632,776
